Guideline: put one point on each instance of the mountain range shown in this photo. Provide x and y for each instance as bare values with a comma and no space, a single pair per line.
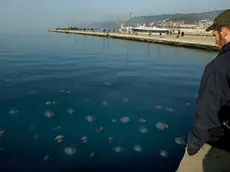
187,18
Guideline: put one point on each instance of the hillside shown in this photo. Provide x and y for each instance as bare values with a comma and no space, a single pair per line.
187,18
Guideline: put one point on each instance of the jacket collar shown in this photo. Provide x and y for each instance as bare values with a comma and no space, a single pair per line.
225,49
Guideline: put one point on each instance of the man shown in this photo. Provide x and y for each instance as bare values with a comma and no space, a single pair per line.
208,148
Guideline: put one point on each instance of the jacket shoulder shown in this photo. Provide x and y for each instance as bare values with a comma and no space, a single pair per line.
222,63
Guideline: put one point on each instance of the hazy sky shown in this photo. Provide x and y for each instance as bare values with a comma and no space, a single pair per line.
42,14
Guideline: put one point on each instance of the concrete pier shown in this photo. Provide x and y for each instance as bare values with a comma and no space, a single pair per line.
198,42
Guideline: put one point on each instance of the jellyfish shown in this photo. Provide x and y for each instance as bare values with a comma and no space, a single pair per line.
1,132
90,118
92,154
117,149
107,83
61,91
48,103
60,140
180,140
124,119
161,126
104,103
114,121
36,136
110,139
169,109
46,158
187,104
13,111
49,114
51,102
147,85
68,92
125,100
164,153
137,148
84,139
56,128
141,120
159,107
99,129
69,151
58,137
143,129
70,111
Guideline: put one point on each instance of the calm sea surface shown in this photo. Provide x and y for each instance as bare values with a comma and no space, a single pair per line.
50,84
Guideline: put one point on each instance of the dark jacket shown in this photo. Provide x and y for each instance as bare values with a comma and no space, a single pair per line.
214,93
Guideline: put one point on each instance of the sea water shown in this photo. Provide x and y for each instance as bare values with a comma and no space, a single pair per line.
71,102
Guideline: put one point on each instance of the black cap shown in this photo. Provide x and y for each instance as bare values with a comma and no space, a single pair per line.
223,19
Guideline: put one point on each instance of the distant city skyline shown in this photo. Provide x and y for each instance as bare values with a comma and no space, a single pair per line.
37,15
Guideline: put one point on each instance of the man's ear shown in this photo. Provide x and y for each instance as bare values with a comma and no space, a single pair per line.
224,31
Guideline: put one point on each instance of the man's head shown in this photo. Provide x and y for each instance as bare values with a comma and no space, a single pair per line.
221,28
